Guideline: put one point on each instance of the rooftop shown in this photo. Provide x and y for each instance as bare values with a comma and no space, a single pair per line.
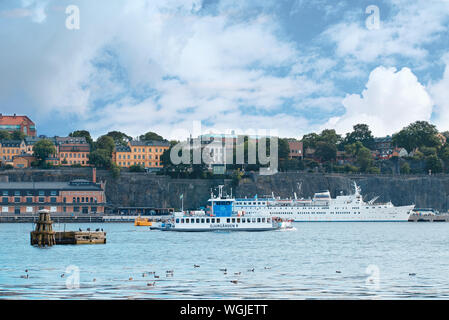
78,184
14,120
150,143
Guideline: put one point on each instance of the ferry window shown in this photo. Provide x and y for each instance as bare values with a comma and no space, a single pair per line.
213,220
208,220
263,219
233,220
218,220
182,220
202,220
243,220
268,219
254,219
258,219
228,220
187,220
197,220
177,220
238,220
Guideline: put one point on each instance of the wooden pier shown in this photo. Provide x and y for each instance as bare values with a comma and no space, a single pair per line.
44,235
80,237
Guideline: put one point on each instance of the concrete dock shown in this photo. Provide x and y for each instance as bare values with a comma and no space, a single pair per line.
429,218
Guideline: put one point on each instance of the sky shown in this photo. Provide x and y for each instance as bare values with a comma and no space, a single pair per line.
292,66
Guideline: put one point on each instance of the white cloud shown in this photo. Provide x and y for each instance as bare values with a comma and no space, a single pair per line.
411,26
392,100
440,95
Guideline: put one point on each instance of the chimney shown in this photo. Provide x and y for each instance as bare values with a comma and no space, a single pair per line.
94,175
14,115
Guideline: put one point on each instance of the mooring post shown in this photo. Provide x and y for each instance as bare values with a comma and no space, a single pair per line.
43,235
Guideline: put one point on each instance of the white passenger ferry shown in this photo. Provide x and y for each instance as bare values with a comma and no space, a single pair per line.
323,208
220,216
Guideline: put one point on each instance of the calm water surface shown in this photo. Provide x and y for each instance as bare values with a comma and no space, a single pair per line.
373,260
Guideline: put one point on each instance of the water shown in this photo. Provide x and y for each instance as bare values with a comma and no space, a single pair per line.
374,261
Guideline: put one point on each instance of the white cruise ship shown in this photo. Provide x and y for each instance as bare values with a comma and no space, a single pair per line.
323,208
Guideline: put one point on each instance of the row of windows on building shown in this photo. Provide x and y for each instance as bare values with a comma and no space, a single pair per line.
218,220
29,193
137,156
75,209
149,150
149,164
74,155
52,199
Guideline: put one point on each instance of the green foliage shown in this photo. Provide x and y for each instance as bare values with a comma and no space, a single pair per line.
428,151
82,133
362,134
15,135
374,170
43,149
434,163
362,155
8,167
136,168
115,170
105,143
283,148
405,168
328,136
5,135
18,135
100,158
310,140
326,151
151,136
416,135
119,138
351,169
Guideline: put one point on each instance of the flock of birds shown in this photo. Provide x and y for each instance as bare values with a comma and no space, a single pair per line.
169,273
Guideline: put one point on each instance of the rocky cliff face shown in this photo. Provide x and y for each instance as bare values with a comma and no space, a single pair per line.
138,189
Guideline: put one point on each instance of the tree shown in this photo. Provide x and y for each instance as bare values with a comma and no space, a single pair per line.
119,138
405,168
433,163
361,133
326,151
309,140
416,135
100,158
151,136
17,135
82,133
43,149
283,148
5,135
329,136
106,143
362,155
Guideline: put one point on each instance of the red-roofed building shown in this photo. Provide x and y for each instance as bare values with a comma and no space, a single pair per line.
20,123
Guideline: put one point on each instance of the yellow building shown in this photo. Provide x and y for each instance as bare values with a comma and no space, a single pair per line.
11,148
144,153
